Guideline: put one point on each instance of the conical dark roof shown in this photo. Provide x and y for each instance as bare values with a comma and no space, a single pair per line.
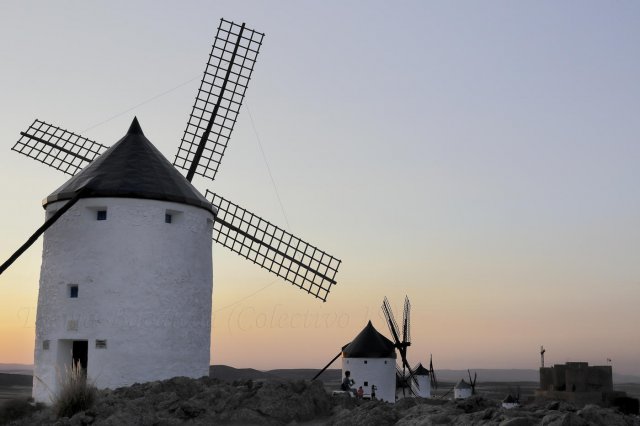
420,371
510,399
463,385
132,168
369,344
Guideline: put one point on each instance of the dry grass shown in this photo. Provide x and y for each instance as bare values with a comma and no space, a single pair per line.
75,393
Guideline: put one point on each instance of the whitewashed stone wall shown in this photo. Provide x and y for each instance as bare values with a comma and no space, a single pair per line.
461,393
380,372
424,386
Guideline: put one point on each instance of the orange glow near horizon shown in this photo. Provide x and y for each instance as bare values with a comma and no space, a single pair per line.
473,159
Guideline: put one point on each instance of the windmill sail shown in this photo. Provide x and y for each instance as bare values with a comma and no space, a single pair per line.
406,319
273,248
391,321
432,373
241,231
205,139
219,99
59,148
401,345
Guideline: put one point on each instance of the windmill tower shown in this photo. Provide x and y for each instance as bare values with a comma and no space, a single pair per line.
423,378
462,390
124,271
371,359
126,277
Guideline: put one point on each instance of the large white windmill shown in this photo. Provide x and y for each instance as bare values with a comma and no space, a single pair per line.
126,277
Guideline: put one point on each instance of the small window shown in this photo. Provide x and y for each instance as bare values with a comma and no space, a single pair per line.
101,215
45,345
366,383
385,362
365,361
73,291
101,344
172,216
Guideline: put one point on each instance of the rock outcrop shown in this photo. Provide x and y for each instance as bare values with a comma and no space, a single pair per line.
209,401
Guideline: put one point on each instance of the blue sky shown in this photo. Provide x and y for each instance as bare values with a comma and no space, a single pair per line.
480,157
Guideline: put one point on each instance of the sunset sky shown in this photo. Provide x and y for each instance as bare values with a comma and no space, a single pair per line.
482,158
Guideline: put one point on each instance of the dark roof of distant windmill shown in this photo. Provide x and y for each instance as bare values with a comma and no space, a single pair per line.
510,399
463,385
369,343
421,371
132,168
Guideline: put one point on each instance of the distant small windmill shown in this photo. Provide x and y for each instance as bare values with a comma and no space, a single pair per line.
426,381
377,353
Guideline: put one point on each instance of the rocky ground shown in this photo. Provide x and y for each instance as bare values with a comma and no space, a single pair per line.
209,401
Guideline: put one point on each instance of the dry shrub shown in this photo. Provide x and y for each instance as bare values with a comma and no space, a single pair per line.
75,393
15,409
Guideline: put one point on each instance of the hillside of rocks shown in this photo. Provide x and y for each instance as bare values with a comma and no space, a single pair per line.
209,401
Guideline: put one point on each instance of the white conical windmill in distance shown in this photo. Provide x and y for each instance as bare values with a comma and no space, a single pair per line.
125,285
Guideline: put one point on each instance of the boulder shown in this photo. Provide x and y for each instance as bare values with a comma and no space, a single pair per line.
595,415
563,419
519,421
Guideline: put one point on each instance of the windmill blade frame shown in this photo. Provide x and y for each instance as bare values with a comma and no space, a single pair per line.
57,147
393,328
241,231
273,248
406,365
214,113
406,321
432,373
217,105
391,321
406,382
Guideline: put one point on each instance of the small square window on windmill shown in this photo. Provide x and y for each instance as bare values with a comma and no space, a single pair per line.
150,175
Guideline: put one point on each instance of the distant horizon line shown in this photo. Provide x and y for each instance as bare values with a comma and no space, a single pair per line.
17,365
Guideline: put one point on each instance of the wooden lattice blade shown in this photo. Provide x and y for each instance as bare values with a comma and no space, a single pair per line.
58,148
273,248
391,321
219,98
406,321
